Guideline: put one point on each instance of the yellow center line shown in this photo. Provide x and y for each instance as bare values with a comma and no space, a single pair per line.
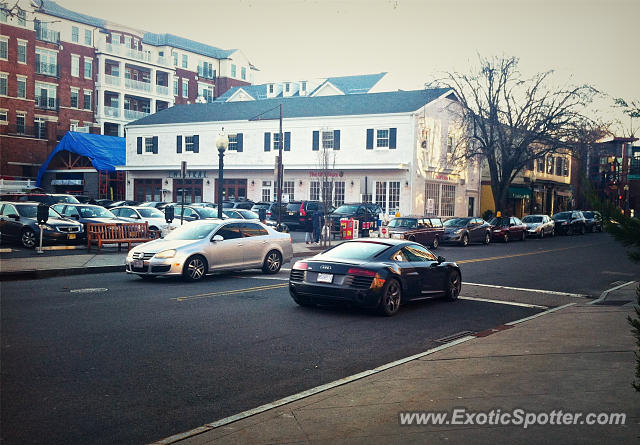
476,260
233,291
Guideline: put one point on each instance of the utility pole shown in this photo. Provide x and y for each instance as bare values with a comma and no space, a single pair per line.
279,178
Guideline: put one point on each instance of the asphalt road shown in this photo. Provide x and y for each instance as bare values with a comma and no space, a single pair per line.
112,359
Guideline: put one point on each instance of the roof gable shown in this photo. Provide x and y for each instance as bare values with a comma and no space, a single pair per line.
326,89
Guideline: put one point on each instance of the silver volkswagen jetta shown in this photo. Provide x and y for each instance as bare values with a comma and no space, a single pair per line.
202,247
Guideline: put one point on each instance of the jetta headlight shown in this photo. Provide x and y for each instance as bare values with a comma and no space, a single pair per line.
166,254
457,232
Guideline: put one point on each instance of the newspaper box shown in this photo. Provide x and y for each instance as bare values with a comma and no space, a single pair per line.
348,228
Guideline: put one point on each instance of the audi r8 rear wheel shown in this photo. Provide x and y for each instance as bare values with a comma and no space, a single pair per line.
391,297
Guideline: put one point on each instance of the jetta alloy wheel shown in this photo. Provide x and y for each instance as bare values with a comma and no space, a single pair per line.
195,268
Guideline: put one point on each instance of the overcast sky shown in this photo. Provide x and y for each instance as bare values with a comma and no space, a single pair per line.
585,41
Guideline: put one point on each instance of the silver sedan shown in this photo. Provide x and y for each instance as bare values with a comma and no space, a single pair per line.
201,247
539,225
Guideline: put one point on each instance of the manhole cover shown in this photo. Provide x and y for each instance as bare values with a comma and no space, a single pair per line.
453,337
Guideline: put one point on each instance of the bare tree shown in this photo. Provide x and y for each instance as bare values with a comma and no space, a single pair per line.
509,120
631,109
326,162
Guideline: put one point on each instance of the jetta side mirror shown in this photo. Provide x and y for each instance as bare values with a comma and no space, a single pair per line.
217,238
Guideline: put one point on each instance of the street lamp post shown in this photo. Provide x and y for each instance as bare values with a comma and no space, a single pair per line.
222,142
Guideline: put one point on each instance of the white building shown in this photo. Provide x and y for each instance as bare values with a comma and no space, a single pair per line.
398,141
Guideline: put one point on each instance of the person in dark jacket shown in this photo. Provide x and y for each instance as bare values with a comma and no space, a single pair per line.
318,221
308,228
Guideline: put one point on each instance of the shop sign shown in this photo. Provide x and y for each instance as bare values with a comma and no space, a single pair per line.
329,173
191,174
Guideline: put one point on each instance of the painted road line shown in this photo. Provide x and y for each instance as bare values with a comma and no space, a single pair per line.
540,291
603,295
232,291
539,314
89,290
502,257
262,277
510,303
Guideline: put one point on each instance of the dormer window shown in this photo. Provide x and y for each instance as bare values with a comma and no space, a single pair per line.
287,87
303,87
270,88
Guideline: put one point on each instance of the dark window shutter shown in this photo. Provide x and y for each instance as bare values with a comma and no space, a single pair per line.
179,144
336,139
369,138
316,141
267,142
139,146
392,138
196,143
155,145
287,141
239,136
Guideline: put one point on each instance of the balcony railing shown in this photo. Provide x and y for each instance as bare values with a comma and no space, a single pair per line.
131,114
137,85
112,80
161,89
21,130
112,111
47,103
47,69
47,35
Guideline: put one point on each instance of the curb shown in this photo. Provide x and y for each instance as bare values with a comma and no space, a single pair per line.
35,274
605,294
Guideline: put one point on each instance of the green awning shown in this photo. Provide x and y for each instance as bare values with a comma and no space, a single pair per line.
519,192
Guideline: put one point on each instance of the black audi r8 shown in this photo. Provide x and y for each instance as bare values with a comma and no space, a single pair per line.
375,273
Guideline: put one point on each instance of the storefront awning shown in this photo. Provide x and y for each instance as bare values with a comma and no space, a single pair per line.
519,192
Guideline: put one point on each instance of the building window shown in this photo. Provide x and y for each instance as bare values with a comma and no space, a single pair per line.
127,41
559,166
233,142
540,162
185,61
243,73
287,87
266,191
22,17
20,123
46,96
73,125
381,195
303,86
314,191
175,87
448,205
206,91
394,196
115,39
87,100
276,141
46,62
22,52
22,87
75,34
432,198
550,165
233,70
185,87
3,85
4,117
175,59
75,65
190,144
338,199
40,128
382,137
74,98
148,145
4,17
565,167
88,38
287,189
270,88
88,68
4,48
327,140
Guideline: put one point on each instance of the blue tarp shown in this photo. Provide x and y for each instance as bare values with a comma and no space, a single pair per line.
104,152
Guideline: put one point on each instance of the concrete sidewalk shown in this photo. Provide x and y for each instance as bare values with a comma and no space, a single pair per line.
81,261
578,359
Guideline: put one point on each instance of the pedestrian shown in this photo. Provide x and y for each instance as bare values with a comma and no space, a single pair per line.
318,220
308,228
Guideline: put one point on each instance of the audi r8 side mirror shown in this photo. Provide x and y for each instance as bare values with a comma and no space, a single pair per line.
441,259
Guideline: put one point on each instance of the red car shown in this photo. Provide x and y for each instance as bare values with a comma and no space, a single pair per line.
507,228
424,230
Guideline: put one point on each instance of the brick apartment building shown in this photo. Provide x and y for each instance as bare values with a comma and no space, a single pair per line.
61,70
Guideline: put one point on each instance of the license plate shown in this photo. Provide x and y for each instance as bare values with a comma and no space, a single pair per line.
71,236
138,264
325,278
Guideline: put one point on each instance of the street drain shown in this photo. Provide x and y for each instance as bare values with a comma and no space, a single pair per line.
453,337
88,290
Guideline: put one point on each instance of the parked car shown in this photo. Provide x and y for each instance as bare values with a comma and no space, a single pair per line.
237,204
249,214
18,222
507,228
122,203
421,229
154,204
593,221
271,208
375,273
201,247
84,199
88,213
152,216
363,212
297,214
47,198
539,225
466,230
193,213
104,202
569,223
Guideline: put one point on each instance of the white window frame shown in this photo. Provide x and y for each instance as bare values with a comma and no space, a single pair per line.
380,141
24,43
4,116
185,61
176,86
147,145
86,94
243,73
75,34
75,65
185,88
88,37
19,79
380,190
128,41
233,142
115,38
40,133
23,115
327,139
338,191
394,192
233,70
77,91
5,40
88,62
73,125
274,142
314,191
188,143
5,76
288,188
447,200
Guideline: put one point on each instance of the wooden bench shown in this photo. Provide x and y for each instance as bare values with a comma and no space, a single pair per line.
120,234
